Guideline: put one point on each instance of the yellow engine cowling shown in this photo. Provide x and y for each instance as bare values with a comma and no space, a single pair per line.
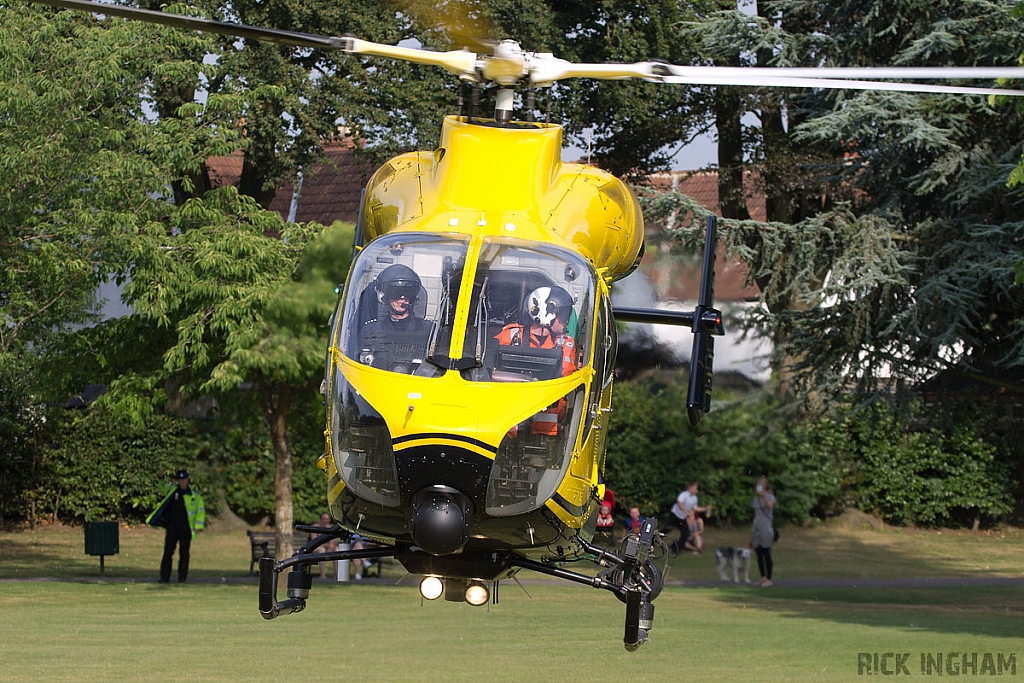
506,178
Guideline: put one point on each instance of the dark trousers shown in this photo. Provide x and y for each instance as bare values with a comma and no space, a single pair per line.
180,536
684,530
764,561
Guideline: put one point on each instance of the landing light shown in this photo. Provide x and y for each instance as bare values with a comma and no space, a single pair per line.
477,594
431,587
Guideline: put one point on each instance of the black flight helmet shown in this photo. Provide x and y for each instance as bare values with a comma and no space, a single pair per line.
397,281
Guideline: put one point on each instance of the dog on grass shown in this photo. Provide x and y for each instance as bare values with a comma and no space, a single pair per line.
738,559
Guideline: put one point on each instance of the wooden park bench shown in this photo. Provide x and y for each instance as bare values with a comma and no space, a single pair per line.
262,545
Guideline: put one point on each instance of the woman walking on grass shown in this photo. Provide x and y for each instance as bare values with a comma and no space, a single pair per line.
762,532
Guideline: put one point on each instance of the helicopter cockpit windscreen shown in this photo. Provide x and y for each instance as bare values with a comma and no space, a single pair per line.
529,317
400,301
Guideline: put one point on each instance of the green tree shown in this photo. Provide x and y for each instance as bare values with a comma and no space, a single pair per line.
631,126
22,422
93,196
905,267
906,469
1016,178
298,98
76,176
101,465
653,453
81,173
244,314
926,477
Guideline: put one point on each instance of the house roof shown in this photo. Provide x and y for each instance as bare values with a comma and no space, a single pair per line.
329,192
703,186
682,281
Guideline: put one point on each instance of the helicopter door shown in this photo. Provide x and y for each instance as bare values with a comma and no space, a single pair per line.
604,363
399,303
530,312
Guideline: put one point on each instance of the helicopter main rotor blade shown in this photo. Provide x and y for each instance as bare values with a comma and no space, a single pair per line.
935,73
510,64
780,78
227,28
459,62
545,69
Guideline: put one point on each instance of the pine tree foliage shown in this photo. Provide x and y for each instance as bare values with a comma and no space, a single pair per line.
907,266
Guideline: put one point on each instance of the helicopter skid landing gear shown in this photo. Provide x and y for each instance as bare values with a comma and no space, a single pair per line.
270,608
632,577
639,619
300,579
642,582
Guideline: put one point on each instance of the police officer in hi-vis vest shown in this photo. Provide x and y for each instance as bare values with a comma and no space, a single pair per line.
182,514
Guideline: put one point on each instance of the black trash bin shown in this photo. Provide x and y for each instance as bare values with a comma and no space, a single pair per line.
101,538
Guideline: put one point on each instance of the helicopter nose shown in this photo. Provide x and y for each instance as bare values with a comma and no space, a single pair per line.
440,519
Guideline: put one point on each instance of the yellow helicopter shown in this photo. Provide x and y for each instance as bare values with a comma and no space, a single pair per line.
469,365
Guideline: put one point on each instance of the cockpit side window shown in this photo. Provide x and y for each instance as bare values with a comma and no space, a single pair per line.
530,313
399,304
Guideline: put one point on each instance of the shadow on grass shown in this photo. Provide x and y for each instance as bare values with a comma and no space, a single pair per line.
831,552
982,610
25,557
60,553
948,582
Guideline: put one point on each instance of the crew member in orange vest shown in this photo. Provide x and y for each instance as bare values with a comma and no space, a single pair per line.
547,311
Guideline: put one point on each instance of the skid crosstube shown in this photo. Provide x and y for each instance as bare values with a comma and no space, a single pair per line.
634,588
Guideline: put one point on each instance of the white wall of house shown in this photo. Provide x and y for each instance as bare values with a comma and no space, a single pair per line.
733,352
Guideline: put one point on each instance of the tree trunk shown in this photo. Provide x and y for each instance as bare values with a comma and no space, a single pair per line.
276,403
779,200
732,200
253,182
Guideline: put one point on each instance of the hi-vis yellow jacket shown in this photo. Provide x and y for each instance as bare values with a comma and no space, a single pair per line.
194,507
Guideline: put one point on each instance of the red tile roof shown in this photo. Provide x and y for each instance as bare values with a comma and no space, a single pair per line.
329,192
730,273
703,186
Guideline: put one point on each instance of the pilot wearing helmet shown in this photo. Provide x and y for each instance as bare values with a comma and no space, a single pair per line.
397,338
544,316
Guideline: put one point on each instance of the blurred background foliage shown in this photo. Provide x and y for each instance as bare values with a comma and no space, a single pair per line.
950,465
920,470
920,241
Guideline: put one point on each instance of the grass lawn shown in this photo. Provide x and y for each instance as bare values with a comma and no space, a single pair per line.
825,551
122,630
831,551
